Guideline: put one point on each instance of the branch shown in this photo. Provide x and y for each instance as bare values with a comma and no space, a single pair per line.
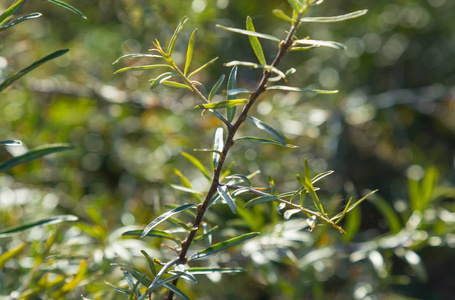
284,47
293,205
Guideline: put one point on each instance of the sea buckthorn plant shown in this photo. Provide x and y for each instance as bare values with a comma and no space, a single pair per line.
191,233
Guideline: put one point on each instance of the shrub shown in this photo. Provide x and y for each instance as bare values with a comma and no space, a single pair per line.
191,227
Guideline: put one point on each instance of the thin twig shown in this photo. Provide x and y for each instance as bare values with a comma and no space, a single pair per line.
284,46
317,214
198,93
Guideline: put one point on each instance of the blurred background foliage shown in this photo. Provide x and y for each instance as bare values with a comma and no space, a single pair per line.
391,127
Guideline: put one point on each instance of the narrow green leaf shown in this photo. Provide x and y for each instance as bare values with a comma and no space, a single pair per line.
254,41
224,245
165,216
316,43
187,276
129,279
255,66
218,115
132,271
208,150
216,87
292,194
165,76
242,190
280,207
174,84
202,67
206,271
428,186
344,212
241,177
280,14
185,189
302,197
135,55
224,193
152,233
32,155
176,291
262,141
353,206
150,262
189,52
222,104
207,235
181,224
250,33
33,66
290,212
12,253
233,92
7,14
139,280
311,191
176,34
67,6
168,286
295,89
302,48
296,5
254,174
231,85
340,18
20,20
261,125
320,176
196,163
287,74
185,181
141,68
261,199
272,185
11,143
316,2
117,289
187,212
218,145
290,72
50,221
308,185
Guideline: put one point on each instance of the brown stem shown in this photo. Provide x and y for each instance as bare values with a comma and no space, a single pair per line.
232,130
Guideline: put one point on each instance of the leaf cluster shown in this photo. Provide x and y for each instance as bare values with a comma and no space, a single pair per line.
224,186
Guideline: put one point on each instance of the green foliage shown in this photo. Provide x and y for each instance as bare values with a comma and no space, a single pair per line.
389,124
36,64
34,281
31,155
55,220
222,145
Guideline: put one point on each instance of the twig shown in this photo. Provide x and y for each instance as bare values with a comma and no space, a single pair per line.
284,46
